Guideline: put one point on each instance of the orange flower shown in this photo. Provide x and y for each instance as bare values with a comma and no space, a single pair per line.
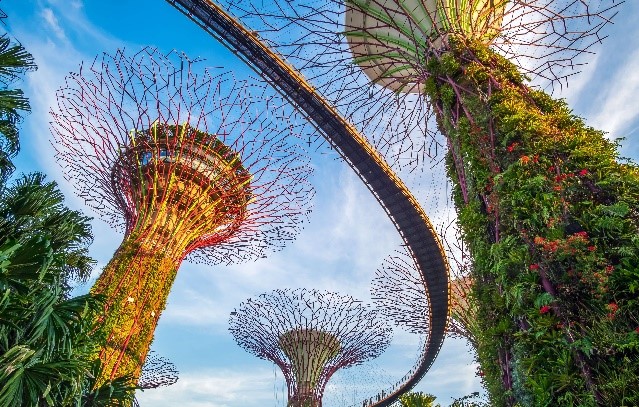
524,159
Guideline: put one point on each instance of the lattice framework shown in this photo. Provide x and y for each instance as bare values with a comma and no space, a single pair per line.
187,163
547,39
309,335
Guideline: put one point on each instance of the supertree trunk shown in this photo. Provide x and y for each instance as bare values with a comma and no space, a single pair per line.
550,218
137,282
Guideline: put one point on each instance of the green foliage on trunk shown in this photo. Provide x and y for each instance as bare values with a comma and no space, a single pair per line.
550,216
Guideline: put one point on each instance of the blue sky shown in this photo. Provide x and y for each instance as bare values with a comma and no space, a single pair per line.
348,235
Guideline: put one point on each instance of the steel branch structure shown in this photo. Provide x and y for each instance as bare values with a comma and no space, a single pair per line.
157,372
186,163
309,335
397,290
402,208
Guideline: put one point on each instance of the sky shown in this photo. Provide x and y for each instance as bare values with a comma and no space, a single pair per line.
347,236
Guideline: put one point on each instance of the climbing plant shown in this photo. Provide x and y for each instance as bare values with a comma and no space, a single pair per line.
549,211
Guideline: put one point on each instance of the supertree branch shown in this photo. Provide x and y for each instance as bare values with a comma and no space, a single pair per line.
310,335
157,372
546,38
398,291
185,163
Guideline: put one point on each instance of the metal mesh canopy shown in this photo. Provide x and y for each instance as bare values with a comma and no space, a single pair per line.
185,161
310,335
148,138
546,38
398,291
157,371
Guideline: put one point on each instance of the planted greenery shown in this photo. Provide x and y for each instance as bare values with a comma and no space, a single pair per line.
46,339
549,212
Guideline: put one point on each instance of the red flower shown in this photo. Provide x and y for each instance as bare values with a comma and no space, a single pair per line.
551,168
637,329
613,307
609,269
583,172
592,248
534,266
582,234
544,309
481,374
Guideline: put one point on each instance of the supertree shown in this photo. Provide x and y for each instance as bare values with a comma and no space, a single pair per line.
186,163
546,209
398,291
309,335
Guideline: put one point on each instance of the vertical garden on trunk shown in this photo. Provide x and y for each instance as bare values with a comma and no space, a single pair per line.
549,212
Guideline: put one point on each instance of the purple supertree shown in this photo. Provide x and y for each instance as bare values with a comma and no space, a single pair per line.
310,335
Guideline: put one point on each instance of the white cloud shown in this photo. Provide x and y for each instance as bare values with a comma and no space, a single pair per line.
214,388
616,110
52,21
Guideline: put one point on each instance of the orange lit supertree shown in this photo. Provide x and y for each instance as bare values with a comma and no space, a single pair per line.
186,163
309,335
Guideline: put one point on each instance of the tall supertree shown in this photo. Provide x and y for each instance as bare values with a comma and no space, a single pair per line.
185,163
309,335
545,206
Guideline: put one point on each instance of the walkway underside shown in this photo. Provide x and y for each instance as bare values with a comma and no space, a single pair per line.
400,205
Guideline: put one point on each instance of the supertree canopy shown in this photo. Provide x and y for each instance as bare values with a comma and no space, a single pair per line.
309,335
398,292
391,40
545,206
186,163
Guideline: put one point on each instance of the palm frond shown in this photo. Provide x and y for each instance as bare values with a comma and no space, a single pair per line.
14,60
